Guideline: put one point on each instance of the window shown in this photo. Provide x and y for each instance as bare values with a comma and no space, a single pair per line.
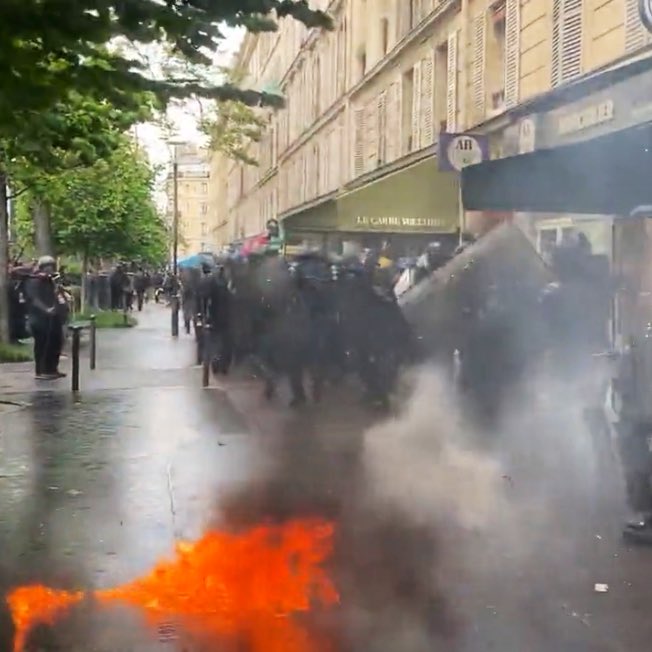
441,85
384,35
204,188
204,208
479,41
362,62
566,40
496,70
414,13
203,228
636,36
451,77
407,110
382,128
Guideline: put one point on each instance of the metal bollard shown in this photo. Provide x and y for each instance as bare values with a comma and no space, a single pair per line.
206,358
76,333
199,337
175,315
93,332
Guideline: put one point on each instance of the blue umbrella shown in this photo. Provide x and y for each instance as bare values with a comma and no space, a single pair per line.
196,260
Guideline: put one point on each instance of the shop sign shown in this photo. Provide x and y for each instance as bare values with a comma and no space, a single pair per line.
645,12
388,223
456,151
589,117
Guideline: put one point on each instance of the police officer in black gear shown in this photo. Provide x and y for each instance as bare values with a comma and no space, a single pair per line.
140,287
45,320
634,430
215,308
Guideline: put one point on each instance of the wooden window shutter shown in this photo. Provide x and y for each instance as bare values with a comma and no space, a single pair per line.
333,162
358,141
478,78
636,36
427,101
566,40
512,51
395,121
571,53
556,42
451,83
382,128
416,107
371,136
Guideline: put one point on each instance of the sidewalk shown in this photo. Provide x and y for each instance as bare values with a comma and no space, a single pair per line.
143,356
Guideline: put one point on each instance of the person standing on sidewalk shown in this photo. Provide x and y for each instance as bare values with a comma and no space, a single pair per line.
45,319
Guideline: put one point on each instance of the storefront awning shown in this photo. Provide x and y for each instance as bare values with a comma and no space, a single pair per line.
319,218
417,199
609,175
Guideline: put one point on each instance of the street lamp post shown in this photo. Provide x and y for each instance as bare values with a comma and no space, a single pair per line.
175,237
175,218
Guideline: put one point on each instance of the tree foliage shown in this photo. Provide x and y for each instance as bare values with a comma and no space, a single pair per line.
49,48
73,132
232,128
105,210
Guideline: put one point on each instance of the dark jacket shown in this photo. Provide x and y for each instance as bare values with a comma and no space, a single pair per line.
42,301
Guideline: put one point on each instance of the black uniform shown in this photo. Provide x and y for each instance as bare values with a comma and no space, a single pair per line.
215,300
45,323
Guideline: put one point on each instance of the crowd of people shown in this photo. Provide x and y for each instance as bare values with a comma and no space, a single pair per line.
306,316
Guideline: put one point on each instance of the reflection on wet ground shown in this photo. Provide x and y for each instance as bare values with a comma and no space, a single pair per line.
435,547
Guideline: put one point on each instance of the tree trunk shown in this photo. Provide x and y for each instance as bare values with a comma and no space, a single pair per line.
4,260
42,228
84,284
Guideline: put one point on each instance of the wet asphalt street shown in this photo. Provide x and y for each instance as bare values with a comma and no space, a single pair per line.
438,546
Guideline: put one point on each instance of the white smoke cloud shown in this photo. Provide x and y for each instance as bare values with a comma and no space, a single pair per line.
422,462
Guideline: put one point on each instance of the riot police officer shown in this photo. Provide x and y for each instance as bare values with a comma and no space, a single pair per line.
632,388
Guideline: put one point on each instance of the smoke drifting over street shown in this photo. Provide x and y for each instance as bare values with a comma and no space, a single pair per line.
422,461
442,526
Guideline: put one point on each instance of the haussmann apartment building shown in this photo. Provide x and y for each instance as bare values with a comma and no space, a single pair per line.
354,153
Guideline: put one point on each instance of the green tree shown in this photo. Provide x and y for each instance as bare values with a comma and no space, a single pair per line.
105,210
58,53
50,47
73,132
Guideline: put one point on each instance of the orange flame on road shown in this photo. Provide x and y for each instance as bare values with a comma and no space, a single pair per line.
37,605
236,588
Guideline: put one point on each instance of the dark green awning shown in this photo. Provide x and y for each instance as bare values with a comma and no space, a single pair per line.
318,218
609,175
417,199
